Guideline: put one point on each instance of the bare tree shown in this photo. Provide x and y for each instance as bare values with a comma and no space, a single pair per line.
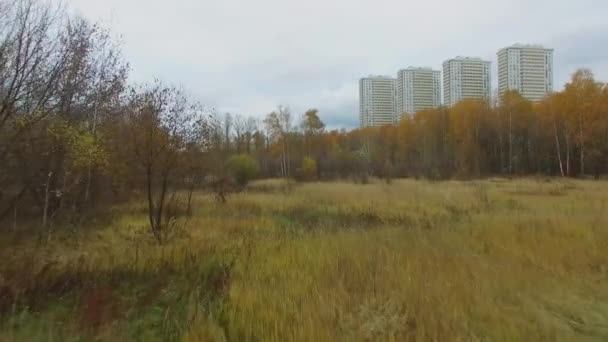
162,122
32,58
239,132
227,130
251,126
278,125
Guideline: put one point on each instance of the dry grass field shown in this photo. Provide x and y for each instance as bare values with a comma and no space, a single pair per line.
492,260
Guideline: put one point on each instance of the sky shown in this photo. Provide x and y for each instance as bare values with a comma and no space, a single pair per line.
249,56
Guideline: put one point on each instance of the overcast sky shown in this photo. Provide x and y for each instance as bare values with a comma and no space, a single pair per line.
248,56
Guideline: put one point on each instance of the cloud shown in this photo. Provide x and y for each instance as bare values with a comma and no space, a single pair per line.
248,57
586,48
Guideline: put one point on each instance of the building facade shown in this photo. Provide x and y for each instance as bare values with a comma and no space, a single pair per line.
527,69
376,101
466,78
417,89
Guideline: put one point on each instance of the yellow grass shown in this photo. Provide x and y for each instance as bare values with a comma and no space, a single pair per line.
492,260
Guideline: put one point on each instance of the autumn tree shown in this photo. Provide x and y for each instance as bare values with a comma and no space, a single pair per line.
583,102
161,122
514,122
31,60
465,131
312,128
551,115
59,76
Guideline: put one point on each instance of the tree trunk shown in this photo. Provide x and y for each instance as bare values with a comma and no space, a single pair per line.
567,156
307,138
64,188
150,200
582,144
284,159
45,209
288,155
510,142
529,151
501,151
558,150
89,168
88,184
13,203
160,207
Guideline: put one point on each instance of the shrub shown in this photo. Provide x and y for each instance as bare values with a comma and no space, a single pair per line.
309,169
243,168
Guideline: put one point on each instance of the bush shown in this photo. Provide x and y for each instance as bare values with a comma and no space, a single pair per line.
309,169
243,168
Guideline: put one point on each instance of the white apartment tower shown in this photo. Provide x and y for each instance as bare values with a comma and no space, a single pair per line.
417,89
376,101
527,69
466,78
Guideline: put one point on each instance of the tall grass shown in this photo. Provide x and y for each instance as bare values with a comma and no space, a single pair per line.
411,260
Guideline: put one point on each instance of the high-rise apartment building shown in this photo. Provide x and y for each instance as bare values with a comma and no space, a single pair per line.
466,78
376,101
527,69
417,89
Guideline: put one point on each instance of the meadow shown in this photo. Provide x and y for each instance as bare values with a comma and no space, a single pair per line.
413,260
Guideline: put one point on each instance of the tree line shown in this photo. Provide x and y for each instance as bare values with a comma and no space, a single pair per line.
565,134
76,137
